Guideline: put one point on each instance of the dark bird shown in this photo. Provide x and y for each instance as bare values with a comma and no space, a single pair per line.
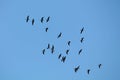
33,21
80,51
82,30
63,59
76,68
59,35
46,29
59,56
42,19
82,39
48,46
69,43
43,51
99,66
88,71
67,51
52,49
27,19
48,19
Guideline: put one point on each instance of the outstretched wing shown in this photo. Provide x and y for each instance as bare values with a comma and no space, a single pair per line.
48,19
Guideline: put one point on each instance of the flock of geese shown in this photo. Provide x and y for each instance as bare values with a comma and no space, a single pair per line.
51,47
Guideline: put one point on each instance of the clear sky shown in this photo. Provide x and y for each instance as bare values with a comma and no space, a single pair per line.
21,43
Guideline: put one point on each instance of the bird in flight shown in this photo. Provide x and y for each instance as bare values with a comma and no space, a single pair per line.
27,19
67,51
42,19
63,59
80,51
48,46
82,30
52,49
46,29
99,66
82,39
69,43
43,51
59,35
48,19
88,71
59,56
76,68
33,21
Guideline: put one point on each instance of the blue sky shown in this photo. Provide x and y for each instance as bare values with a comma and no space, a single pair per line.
21,43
